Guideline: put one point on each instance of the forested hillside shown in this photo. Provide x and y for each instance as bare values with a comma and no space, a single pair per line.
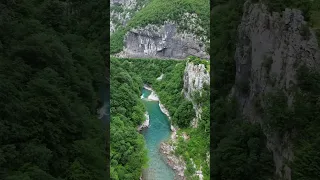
127,78
168,90
145,35
52,56
276,136
128,153
158,11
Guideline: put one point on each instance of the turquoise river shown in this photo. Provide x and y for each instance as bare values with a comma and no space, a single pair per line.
158,131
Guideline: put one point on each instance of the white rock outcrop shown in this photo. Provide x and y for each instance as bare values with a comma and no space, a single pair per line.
162,41
176,163
195,77
146,123
153,97
160,77
121,11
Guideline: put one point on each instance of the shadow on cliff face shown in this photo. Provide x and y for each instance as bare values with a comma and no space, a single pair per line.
162,42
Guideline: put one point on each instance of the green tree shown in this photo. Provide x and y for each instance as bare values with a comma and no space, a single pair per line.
184,114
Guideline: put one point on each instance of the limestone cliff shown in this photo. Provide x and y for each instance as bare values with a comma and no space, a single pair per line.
162,41
121,11
195,78
270,48
171,37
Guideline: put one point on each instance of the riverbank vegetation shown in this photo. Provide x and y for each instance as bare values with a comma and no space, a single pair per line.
197,147
128,152
169,90
51,69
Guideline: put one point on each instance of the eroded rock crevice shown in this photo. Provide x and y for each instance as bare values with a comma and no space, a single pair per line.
162,42
270,48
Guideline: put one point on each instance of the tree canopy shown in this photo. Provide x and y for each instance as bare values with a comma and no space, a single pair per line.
51,69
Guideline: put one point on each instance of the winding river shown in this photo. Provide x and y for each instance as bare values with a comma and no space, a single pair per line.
158,131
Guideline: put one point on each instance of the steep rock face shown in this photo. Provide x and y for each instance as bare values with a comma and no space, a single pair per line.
121,12
129,4
194,79
271,47
162,42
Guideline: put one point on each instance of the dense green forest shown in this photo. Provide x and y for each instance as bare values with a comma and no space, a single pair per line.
127,79
51,69
157,12
128,154
238,147
169,89
132,73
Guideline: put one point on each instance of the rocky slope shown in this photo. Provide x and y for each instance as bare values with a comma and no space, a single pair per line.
162,42
176,163
270,49
121,11
174,35
195,78
145,123
138,35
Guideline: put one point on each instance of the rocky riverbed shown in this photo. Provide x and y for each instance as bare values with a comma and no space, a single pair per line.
176,163
146,123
